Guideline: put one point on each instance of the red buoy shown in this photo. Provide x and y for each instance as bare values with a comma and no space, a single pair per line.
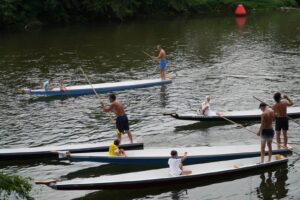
240,10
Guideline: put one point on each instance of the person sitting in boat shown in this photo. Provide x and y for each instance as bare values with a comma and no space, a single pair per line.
176,166
62,86
205,110
47,85
114,149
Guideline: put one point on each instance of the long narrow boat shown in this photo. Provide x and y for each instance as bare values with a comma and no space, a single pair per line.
52,151
162,177
160,156
101,87
247,115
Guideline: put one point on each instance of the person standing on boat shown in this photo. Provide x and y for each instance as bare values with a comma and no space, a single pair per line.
122,120
266,131
176,166
162,58
205,110
114,149
281,120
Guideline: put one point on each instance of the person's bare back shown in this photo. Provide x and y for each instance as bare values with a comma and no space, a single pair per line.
267,118
117,108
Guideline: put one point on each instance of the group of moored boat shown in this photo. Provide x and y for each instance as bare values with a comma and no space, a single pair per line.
203,161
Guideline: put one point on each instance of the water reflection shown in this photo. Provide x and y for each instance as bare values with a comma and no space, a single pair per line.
163,96
273,184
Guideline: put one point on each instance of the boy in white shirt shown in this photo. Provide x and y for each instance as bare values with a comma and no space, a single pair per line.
176,166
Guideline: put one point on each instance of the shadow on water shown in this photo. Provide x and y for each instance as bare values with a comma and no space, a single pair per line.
163,96
277,183
32,162
51,98
108,169
206,125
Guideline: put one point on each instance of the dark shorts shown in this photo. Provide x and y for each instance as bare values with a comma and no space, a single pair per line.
122,123
267,134
281,123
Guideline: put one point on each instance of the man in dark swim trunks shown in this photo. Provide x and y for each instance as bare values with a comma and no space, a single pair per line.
266,130
122,120
282,122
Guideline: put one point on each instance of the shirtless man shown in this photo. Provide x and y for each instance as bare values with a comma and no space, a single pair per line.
162,61
266,131
122,120
281,120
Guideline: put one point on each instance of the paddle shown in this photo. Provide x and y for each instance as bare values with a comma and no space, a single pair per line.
87,79
147,54
254,132
98,97
270,107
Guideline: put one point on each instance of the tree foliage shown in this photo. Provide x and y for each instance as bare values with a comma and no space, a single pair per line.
27,13
15,187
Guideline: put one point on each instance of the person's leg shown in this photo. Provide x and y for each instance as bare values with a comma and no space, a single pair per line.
262,151
285,139
129,136
161,74
164,74
278,138
269,143
119,137
186,172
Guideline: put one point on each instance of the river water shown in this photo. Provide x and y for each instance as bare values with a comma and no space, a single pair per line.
229,59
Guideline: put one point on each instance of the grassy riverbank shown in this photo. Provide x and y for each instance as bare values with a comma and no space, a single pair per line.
35,13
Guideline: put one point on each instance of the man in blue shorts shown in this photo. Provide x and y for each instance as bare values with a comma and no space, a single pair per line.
266,130
162,62
122,120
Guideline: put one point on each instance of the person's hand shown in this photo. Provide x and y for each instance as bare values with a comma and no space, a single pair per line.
185,153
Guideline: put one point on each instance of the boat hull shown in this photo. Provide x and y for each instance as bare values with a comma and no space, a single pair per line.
161,177
236,116
161,156
52,152
100,88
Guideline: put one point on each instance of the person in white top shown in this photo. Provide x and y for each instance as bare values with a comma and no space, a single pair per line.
176,166
205,110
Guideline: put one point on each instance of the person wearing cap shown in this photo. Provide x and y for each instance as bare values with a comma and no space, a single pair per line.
266,131
176,166
281,120
204,108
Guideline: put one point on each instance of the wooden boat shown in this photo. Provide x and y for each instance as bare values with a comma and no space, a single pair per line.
160,156
162,177
247,115
52,151
101,87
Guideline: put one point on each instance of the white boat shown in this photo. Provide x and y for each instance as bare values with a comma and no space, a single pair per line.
162,177
246,115
100,87
52,151
160,156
